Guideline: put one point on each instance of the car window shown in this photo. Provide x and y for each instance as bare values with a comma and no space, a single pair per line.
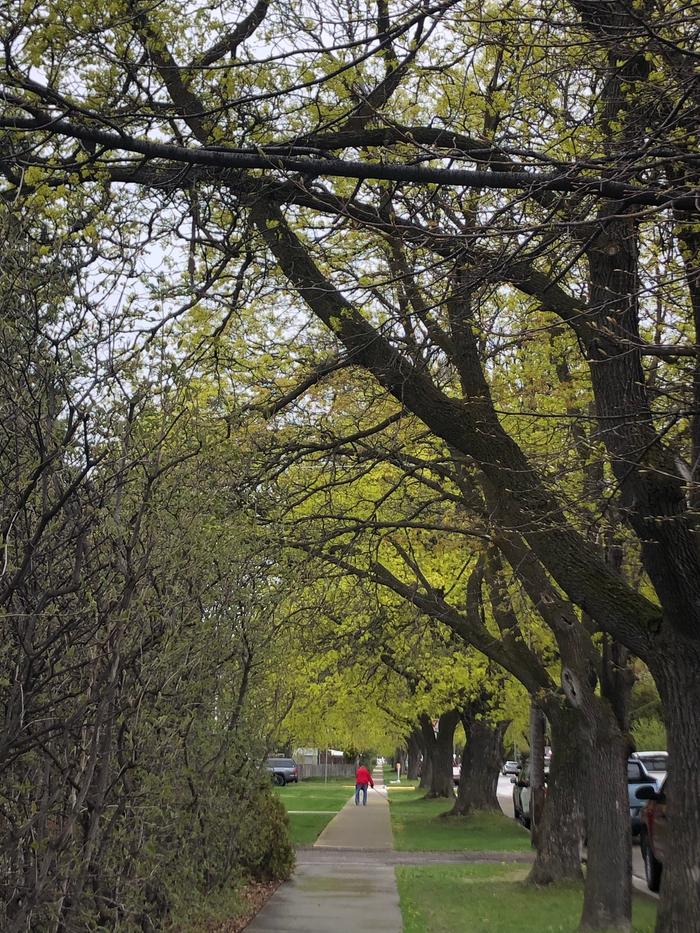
634,771
280,762
659,763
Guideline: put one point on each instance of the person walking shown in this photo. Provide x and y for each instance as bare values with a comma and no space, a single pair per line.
362,779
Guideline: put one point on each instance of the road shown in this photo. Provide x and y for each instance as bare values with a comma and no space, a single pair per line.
505,798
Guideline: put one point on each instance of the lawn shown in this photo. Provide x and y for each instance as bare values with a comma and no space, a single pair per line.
491,898
418,827
389,773
322,800
390,778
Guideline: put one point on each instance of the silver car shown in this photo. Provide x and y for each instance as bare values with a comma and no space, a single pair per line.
637,776
655,763
283,770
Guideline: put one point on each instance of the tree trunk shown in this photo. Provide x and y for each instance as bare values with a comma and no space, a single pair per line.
415,746
427,742
426,775
481,762
679,686
607,901
559,841
607,898
439,751
442,782
537,791
426,771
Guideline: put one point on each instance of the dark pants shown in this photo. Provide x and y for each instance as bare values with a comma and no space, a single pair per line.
363,788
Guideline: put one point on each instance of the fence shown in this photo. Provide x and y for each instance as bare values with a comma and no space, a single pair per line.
319,771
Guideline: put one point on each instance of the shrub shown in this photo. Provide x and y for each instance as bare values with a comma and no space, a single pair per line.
649,734
268,854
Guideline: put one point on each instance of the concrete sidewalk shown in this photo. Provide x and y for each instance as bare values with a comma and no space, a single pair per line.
360,827
332,895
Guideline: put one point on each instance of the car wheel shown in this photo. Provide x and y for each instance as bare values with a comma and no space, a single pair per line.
279,780
652,867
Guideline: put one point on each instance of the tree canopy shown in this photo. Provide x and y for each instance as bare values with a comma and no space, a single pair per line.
426,278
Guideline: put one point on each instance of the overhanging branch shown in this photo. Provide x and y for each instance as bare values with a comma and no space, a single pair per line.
533,182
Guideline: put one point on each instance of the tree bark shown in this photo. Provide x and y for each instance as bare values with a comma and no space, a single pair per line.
426,771
415,751
607,901
481,762
558,856
537,791
679,686
439,752
603,747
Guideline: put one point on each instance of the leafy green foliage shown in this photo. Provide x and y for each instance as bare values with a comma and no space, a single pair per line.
649,734
138,610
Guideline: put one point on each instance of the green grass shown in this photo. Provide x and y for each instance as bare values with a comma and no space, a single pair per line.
313,794
491,898
418,827
389,773
390,778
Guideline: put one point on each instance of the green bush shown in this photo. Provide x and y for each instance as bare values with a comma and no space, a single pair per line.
649,734
269,853
231,830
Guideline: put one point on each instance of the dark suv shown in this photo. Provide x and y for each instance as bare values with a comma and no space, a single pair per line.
654,834
283,770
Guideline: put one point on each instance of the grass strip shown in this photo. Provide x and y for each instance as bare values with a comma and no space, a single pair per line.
418,826
324,799
492,898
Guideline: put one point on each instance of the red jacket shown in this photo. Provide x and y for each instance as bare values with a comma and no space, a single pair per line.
362,776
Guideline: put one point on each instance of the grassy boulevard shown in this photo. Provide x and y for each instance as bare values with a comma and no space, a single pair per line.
491,898
478,897
418,826
312,804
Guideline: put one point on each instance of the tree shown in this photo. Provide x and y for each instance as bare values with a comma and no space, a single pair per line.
133,673
615,131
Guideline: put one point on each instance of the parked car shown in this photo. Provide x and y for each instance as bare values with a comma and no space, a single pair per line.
283,770
656,764
510,767
456,771
637,777
654,832
522,794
